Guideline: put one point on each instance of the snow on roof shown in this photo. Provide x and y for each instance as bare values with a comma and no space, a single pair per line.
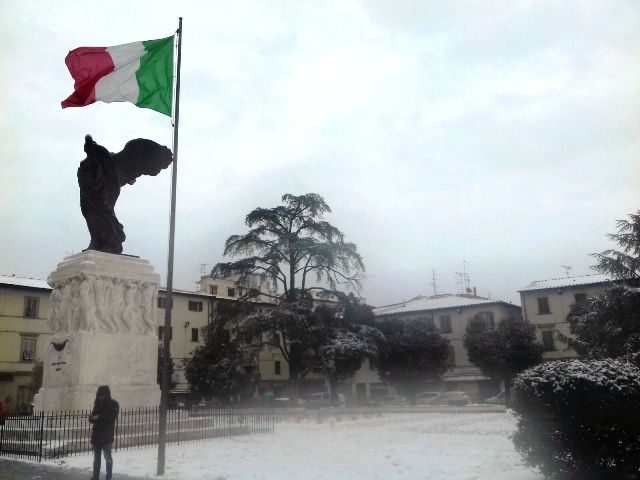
435,302
24,282
568,282
185,292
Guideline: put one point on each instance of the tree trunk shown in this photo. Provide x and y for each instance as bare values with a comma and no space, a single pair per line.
294,386
294,381
292,281
508,382
333,391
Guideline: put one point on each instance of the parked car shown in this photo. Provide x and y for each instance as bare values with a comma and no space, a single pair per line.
423,398
283,402
498,399
390,401
323,399
213,403
449,398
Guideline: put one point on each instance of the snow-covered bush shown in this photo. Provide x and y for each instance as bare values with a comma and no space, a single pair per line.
580,419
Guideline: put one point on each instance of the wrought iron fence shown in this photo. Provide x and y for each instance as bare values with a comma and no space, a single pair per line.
57,434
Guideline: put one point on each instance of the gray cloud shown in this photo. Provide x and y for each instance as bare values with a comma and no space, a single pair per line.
504,134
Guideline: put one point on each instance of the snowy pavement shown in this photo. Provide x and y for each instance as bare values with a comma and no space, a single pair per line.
427,446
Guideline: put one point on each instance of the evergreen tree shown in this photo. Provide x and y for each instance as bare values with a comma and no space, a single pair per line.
215,368
411,353
504,352
622,264
607,325
291,243
348,338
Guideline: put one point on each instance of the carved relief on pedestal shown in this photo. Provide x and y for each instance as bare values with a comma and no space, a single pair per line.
94,303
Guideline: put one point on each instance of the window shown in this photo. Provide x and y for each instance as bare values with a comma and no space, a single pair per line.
161,333
581,298
451,356
231,292
31,307
445,323
194,334
213,289
378,390
195,306
162,302
28,349
547,341
24,395
276,367
487,318
428,320
543,306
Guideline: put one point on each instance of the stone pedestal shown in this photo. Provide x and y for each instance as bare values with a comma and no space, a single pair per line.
103,318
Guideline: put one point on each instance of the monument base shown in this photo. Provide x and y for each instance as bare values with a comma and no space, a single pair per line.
103,316
82,397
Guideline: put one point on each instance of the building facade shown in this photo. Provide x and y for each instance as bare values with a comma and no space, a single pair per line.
24,333
546,304
192,313
450,314
229,288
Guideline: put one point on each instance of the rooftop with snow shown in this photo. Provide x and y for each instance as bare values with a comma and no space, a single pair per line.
437,302
590,279
15,281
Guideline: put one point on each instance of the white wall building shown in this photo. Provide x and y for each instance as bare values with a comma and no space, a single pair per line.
450,314
546,303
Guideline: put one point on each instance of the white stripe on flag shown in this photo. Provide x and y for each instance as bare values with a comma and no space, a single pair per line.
121,85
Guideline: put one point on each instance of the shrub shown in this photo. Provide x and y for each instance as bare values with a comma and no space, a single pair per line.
580,419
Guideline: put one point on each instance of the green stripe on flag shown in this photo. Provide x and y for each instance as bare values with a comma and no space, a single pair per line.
155,76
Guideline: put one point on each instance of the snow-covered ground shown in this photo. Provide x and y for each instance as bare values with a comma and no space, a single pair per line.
396,446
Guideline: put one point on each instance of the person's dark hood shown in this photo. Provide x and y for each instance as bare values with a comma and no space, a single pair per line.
103,394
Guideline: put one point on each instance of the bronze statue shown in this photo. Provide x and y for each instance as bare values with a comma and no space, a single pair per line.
100,177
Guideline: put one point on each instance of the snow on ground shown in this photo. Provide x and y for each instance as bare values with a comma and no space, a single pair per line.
427,446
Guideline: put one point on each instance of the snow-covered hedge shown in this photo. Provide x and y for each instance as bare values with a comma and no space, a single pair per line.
580,419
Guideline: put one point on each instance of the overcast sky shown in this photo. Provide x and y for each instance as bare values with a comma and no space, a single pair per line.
500,134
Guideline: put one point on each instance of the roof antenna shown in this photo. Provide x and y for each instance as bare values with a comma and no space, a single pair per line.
463,280
203,269
434,284
567,270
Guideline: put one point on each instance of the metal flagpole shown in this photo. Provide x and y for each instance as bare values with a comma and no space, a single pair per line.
166,340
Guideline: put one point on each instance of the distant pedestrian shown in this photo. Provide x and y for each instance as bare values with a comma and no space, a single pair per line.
103,417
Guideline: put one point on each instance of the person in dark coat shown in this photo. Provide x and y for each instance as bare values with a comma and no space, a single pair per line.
103,417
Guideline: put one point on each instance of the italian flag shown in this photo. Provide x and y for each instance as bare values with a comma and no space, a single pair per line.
139,72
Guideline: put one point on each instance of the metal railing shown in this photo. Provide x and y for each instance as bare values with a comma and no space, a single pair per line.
56,434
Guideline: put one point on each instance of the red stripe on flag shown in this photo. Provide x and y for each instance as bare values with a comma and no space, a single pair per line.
86,65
